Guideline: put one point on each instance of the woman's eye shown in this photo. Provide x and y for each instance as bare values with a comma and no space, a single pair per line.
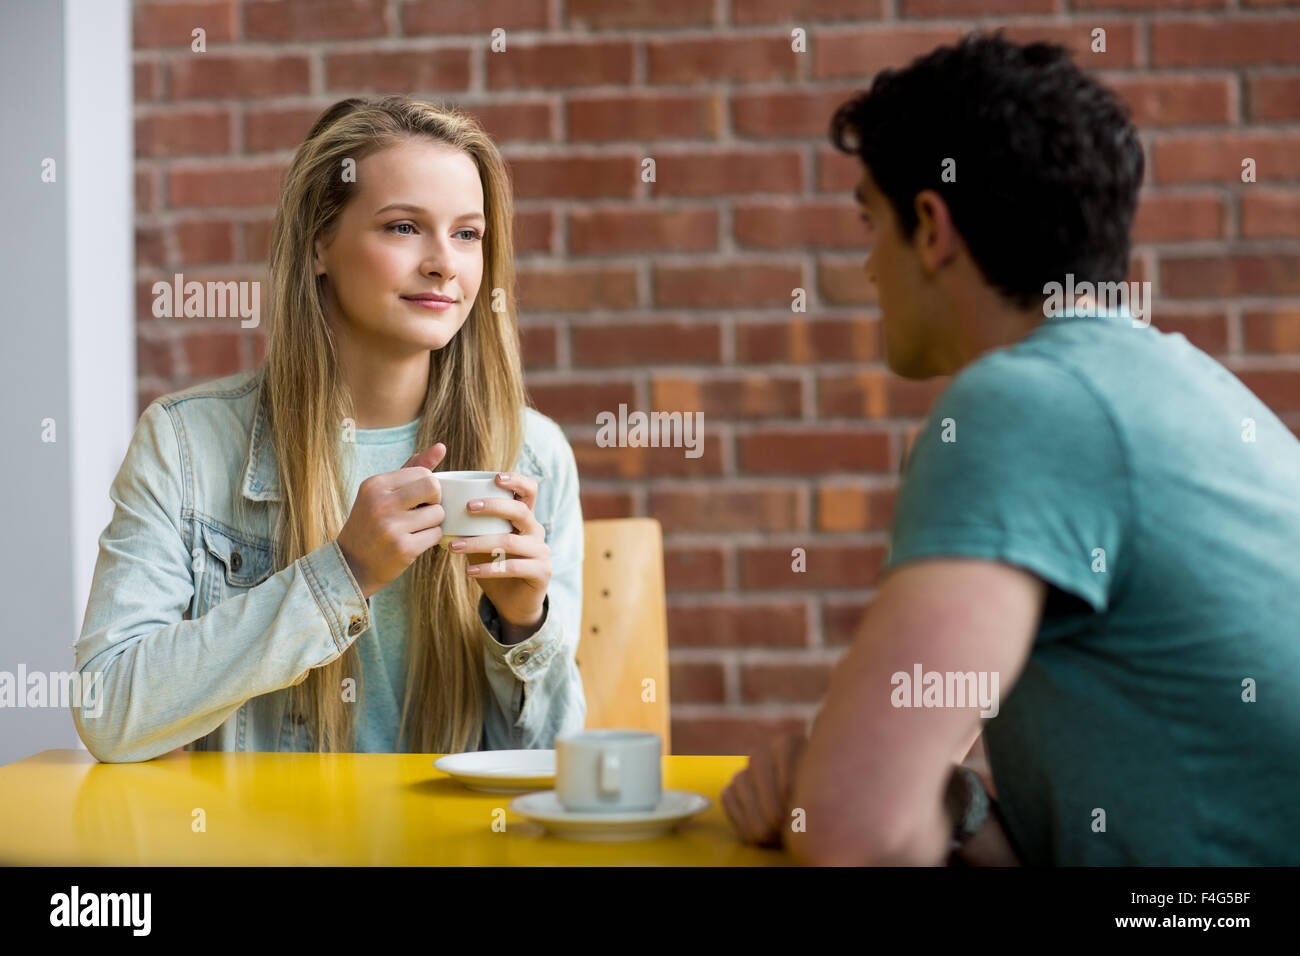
402,225
472,234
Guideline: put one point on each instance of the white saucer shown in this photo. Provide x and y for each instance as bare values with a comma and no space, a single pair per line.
674,807
501,771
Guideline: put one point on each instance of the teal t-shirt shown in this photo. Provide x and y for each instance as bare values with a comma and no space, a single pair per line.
1157,719
381,648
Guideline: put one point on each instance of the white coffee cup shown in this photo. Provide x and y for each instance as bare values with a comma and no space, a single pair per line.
608,771
458,489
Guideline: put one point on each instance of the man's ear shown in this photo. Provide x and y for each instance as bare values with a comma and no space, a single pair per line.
936,238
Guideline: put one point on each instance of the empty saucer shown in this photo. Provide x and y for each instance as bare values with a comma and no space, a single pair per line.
501,771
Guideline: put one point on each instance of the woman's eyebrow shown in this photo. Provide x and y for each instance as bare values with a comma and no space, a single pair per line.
421,211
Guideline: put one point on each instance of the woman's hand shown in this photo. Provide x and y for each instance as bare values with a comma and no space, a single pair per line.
514,570
396,517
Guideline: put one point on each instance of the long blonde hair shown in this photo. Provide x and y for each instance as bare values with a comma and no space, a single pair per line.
474,405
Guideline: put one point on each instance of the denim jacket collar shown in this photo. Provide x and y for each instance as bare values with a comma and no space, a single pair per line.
262,473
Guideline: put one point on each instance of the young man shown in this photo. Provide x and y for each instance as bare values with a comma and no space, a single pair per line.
1095,542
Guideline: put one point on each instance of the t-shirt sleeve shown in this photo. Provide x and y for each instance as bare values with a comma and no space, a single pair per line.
1019,462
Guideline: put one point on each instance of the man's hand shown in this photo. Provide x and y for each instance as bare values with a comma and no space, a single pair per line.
757,800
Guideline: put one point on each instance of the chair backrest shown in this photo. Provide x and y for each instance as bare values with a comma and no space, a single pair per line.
624,639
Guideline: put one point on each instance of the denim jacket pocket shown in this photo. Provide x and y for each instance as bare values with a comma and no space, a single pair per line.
233,563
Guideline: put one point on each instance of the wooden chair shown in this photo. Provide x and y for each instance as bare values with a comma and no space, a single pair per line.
624,642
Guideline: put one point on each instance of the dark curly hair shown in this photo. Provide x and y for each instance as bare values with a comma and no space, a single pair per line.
1048,164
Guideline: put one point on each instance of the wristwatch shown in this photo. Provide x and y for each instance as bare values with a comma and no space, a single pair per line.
967,804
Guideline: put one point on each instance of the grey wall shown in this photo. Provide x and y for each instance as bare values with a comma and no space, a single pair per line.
67,350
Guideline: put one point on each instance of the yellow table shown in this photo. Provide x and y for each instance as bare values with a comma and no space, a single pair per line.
62,807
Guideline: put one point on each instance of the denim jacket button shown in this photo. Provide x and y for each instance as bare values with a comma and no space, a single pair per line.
236,562
356,627
523,658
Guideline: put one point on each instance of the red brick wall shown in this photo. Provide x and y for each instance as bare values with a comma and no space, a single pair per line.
676,295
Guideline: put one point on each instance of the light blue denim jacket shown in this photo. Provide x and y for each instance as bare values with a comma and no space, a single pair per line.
197,638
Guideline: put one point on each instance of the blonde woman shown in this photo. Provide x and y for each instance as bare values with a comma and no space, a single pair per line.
271,579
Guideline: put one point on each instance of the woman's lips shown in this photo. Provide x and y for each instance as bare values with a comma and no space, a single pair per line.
435,305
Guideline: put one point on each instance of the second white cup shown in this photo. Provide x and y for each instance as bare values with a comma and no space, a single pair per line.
608,771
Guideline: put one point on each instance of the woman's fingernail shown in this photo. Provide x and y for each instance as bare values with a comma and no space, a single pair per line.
475,505
472,569
458,546
503,477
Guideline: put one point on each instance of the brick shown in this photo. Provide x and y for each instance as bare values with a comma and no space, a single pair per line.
537,346
747,59
661,14
697,682
693,569
786,113
1230,275
575,289
970,8
669,341
805,341
256,185
574,177
1273,96
183,133
438,17
642,229
841,620
644,462
600,119
156,25
729,508
380,71
1217,157
297,20
256,237
749,12
560,65
1272,331
747,397
803,451
155,354
603,505
728,173
1209,333
509,122
579,402
837,171
1181,216
533,229
244,76
737,736
211,354
1176,100
150,246
146,81
845,282
1224,41
273,128
1155,5
751,624
205,241
875,393
1121,41
794,224
852,507
864,53
734,285
792,682
769,567
1279,389
147,190
1270,214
